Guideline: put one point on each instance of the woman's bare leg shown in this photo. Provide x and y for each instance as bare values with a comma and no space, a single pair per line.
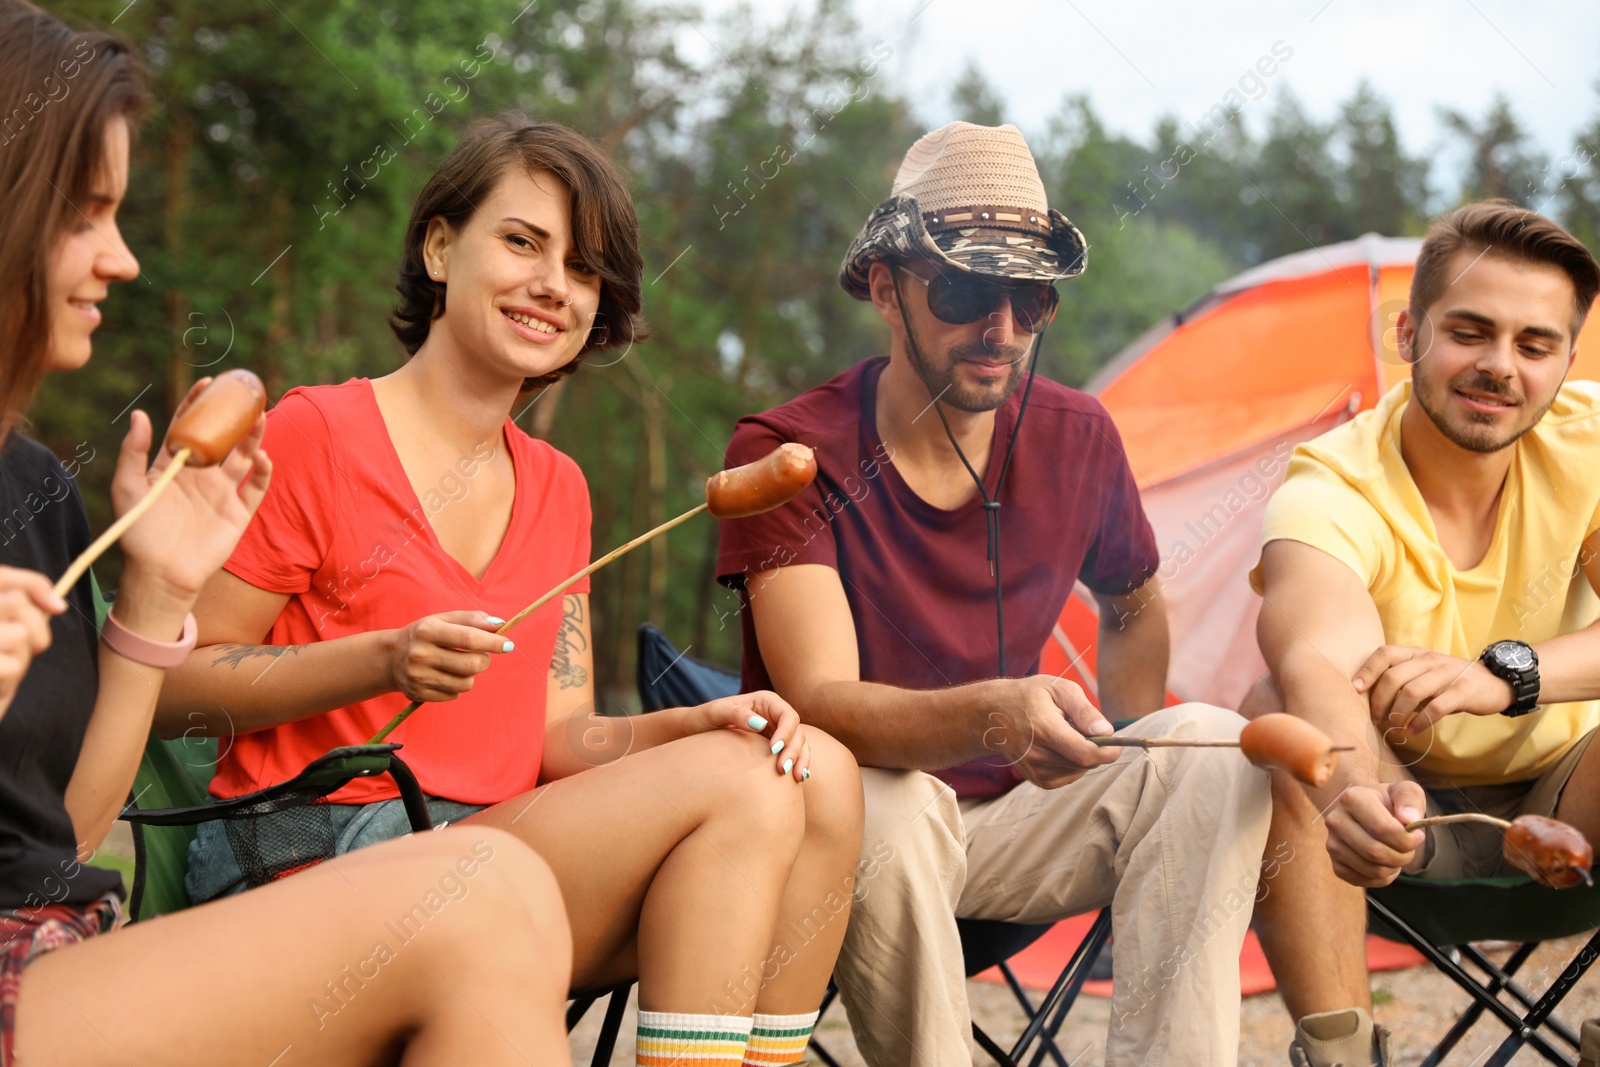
673,861
816,902
442,948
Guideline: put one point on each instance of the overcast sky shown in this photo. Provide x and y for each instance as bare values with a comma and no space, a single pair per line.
1139,59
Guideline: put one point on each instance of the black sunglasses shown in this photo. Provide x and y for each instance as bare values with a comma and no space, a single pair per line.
960,298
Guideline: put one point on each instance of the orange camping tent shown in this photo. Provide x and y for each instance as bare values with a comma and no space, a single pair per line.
1210,402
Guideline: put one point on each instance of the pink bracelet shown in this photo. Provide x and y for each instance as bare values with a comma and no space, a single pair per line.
124,642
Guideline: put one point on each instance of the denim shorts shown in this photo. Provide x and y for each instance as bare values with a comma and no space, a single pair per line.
213,871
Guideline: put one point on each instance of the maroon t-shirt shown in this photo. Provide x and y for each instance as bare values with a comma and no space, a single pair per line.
917,577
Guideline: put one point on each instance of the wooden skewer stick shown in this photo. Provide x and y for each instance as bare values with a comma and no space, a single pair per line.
1466,816
551,595
1113,741
1554,853
87,557
737,493
1269,741
597,564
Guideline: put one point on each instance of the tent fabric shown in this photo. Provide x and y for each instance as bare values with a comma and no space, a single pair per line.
1266,360
1348,258
1210,401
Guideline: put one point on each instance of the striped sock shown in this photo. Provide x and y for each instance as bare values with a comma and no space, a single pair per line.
673,1039
778,1040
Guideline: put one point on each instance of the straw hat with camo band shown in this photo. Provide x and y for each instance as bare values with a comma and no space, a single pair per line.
969,198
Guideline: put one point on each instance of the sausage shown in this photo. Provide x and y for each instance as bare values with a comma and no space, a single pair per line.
219,417
1291,744
772,480
1554,853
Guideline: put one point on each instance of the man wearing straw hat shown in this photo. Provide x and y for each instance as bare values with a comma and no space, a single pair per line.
902,603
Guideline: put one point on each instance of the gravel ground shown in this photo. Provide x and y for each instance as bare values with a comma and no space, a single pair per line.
1418,1005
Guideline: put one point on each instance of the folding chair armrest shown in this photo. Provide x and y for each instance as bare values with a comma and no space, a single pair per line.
410,794
326,774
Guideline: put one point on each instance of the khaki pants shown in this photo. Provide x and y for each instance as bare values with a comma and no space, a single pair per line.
1170,838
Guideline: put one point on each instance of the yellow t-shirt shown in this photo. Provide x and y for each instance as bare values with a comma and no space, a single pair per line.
1350,494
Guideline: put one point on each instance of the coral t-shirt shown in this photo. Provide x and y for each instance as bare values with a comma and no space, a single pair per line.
917,577
343,533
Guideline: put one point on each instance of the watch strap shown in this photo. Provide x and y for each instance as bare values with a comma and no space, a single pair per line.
1524,697
1524,682
140,649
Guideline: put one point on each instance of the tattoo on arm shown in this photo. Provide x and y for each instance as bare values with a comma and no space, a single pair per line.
569,640
234,655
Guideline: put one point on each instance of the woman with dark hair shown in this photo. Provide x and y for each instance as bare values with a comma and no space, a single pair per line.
709,851
290,975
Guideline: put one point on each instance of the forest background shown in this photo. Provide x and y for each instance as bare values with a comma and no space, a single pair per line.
273,179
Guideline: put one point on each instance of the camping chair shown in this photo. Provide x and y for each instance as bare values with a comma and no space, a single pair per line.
309,831
668,678
1440,918
174,775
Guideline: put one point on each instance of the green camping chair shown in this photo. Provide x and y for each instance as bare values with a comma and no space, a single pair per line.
170,800
309,829
1440,919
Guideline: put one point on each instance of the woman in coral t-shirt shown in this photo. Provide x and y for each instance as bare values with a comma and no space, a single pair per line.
407,515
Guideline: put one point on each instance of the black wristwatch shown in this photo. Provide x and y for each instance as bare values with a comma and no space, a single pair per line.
1517,663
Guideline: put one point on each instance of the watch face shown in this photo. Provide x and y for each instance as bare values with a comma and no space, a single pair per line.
1516,656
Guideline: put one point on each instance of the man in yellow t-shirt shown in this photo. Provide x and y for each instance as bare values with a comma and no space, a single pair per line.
1429,574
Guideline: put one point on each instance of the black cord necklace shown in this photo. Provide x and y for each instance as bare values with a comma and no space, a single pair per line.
991,504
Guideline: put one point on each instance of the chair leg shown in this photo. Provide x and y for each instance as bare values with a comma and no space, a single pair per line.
1065,991
1043,1023
1528,1031
1053,1028
987,1043
1523,997
1523,1030
827,1000
824,1055
611,1027
1047,1042
1469,1018
577,1010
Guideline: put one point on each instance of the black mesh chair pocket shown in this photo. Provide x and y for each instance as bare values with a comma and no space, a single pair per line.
270,840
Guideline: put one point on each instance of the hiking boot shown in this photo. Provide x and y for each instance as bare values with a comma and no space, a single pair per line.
1345,1038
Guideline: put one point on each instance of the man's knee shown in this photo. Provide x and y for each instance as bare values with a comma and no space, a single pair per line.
906,802
1195,720
1214,770
912,834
